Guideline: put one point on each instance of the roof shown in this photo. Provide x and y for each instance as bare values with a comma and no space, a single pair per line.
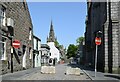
45,46
36,37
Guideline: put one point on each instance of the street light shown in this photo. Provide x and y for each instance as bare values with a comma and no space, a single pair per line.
98,34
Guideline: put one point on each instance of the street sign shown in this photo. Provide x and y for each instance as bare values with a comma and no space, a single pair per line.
97,40
16,44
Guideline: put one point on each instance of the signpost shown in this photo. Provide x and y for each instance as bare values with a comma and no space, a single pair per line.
97,42
15,44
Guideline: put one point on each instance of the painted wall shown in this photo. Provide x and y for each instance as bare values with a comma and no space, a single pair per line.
54,51
37,53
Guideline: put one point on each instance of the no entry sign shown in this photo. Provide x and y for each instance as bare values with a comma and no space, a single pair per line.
97,40
16,44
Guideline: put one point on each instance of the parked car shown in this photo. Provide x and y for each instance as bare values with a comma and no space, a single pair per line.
73,62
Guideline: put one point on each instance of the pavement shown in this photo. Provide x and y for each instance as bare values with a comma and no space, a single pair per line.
19,74
100,75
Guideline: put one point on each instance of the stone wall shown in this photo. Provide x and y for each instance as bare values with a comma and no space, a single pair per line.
19,12
115,36
106,18
119,39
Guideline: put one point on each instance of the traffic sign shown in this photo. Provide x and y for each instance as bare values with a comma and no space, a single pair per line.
97,40
16,44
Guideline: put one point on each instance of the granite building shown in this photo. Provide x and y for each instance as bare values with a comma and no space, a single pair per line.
15,24
104,17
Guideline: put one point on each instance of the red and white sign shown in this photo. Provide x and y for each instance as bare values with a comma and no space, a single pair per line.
97,40
16,44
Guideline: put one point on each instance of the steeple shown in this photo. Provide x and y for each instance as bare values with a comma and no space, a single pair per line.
51,26
51,37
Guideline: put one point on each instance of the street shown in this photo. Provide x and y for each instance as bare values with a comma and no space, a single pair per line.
60,40
36,75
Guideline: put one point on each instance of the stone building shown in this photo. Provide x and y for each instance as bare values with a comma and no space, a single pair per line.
36,52
62,52
15,24
104,17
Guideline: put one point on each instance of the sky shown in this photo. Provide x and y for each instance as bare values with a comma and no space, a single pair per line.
68,20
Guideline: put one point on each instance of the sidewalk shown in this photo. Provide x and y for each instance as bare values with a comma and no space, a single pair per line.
19,74
101,76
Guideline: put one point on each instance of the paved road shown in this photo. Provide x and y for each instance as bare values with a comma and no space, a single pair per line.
59,75
34,74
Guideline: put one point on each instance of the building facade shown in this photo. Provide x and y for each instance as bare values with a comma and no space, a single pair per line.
62,52
45,54
104,17
15,24
36,52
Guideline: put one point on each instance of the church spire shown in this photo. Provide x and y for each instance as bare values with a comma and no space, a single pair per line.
51,37
51,26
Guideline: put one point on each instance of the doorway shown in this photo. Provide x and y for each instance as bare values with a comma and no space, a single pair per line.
24,56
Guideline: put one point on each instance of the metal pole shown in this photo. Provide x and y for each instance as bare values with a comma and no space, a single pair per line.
96,60
11,57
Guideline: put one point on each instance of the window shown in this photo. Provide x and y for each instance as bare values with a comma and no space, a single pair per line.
2,15
3,49
38,45
50,54
30,53
30,34
35,42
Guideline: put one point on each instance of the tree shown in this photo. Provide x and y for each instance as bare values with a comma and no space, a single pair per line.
71,51
56,43
79,40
